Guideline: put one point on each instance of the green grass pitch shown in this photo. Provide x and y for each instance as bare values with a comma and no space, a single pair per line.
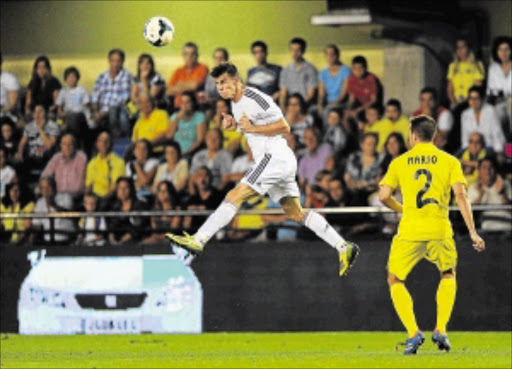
242,350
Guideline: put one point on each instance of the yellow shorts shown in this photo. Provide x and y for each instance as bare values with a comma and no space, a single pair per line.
405,254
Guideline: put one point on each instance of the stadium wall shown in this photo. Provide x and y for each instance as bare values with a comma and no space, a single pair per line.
293,286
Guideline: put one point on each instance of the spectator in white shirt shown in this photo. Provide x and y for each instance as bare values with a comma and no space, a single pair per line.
9,91
499,83
481,117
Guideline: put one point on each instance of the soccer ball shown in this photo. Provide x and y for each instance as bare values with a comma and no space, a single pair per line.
159,31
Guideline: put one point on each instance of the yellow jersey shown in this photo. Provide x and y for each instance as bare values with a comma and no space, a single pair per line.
425,176
463,75
385,127
102,173
150,128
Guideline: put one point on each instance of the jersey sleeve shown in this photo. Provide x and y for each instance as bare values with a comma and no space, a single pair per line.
270,115
391,177
456,174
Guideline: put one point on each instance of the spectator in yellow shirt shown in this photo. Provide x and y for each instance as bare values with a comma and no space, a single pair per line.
465,71
152,124
16,200
395,122
104,169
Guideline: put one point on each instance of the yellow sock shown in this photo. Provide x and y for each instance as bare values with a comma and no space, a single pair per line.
403,305
445,300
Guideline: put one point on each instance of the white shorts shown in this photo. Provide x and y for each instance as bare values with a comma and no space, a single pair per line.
274,175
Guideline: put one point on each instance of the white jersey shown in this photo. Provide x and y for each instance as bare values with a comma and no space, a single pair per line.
261,110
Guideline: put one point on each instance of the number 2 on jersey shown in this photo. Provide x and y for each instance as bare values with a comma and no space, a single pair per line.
420,201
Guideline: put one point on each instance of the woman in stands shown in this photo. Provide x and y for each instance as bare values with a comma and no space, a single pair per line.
43,88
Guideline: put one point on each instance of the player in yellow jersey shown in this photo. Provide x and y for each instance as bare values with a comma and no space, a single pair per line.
425,176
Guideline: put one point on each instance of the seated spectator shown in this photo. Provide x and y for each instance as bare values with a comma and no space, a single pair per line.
166,200
239,168
50,201
191,77
316,158
362,171
293,142
38,141
393,148
297,117
17,200
126,230
374,123
149,82
68,167
110,94
492,189
362,88
7,173
203,197
43,88
470,157
234,141
152,125
298,77
91,229
264,76
73,107
337,193
104,169
142,168
332,88
9,93
465,71
481,117
429,105
174,169
220,55
188,125
499,81
214,157
335,135
9,137
317,194
394,122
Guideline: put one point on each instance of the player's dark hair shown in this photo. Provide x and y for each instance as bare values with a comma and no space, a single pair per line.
151,62
299,41
118,52
261,44
70,70
336,52
228,68
224,51
479,90
300,99
496,44
193,99
429,90
359,59
424,127
192,45
396,103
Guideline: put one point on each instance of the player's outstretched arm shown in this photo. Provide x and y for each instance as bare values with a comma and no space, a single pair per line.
465,208
386,197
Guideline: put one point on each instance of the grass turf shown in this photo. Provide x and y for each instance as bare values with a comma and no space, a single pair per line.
345,349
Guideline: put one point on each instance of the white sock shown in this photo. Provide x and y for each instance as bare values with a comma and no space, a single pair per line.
216,221
324,230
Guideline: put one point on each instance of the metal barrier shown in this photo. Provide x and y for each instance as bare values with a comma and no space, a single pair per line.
151,213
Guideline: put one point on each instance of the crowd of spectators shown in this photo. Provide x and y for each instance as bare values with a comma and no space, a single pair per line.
136,142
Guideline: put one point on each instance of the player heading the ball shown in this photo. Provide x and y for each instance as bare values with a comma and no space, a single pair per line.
257,116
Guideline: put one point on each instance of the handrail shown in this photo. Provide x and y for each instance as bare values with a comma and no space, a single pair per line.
150,213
